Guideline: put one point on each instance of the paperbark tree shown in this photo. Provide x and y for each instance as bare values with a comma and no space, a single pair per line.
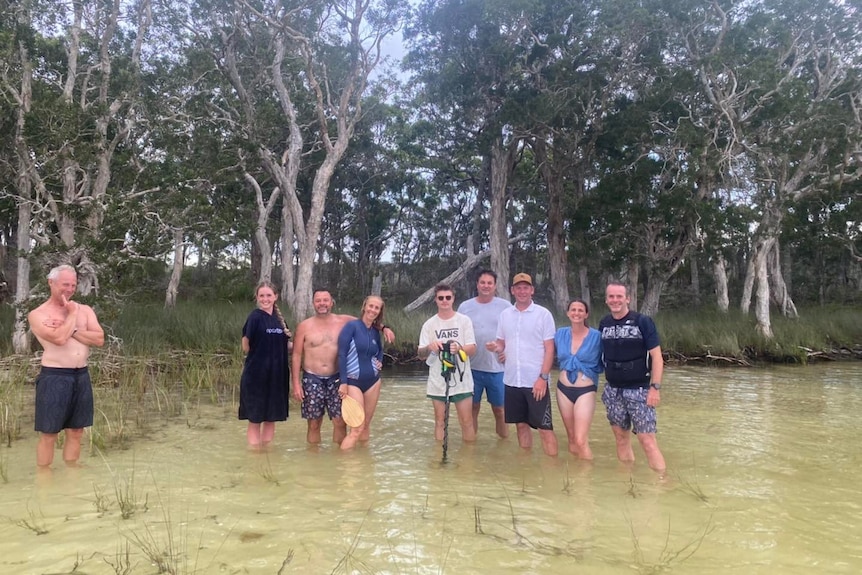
584,62
81,121
304,67
21,93
73,113
719,273
469,58
774,102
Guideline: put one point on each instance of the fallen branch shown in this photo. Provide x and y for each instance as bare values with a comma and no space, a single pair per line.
458,274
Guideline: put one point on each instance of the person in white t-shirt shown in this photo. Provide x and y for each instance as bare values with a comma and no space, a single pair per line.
447,333
484,311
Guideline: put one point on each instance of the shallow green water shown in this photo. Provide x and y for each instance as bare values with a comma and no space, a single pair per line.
762,478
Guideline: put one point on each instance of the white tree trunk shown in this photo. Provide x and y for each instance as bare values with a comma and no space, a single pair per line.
20,339
287,260
335,116
695,279
632,280
462,271
263,210
502,163
652,296
748,283
24,95
176,269
779,292
719,272
761,307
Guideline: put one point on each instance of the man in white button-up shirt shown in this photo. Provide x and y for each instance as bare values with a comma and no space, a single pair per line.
526,335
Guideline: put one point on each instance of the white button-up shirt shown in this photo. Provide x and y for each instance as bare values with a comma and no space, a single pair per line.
525,333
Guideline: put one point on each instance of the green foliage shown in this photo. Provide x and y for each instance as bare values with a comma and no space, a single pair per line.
651,167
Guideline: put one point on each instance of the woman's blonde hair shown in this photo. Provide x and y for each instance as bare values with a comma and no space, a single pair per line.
278,316
378,321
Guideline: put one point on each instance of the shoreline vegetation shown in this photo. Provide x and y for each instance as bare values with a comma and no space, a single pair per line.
702,336
159,365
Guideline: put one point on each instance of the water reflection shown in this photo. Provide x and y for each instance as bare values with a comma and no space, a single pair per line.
762,479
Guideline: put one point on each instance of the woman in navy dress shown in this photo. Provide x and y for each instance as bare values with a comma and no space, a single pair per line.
360,359
263,388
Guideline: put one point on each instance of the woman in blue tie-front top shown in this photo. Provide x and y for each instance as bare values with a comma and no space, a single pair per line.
579,353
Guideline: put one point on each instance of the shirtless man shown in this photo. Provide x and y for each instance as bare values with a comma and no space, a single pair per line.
314,367
64,395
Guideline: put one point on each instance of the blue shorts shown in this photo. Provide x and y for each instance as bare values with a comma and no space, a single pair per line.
64,399
321,395
627,408
491,382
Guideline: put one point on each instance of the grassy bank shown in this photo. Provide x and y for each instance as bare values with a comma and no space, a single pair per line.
149,330
702,335
710,336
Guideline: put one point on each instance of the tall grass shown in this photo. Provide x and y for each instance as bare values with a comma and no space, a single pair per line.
702,333
144,329
13,399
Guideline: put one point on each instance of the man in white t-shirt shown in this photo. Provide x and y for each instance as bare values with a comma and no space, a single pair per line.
526,335
449,332
484,311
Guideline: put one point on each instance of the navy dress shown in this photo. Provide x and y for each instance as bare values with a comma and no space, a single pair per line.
263,387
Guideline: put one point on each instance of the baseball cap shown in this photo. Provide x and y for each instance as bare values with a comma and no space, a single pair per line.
522,277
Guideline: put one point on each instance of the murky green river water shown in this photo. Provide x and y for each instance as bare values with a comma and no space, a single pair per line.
763,478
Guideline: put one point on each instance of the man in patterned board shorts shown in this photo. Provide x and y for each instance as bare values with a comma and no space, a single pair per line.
64,396
314,367
633,367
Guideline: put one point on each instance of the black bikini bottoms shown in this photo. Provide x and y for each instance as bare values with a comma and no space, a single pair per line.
573,393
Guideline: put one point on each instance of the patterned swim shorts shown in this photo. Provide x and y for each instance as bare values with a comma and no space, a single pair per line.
627,409
321,394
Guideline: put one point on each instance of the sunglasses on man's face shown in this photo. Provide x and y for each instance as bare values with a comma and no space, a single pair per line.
444,297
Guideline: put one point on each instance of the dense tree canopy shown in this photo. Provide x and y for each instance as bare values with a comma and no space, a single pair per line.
693,150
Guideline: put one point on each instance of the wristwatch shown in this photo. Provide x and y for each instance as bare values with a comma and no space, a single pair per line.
545,376
655,386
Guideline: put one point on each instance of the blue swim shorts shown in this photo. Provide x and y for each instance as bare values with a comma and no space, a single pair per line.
491,382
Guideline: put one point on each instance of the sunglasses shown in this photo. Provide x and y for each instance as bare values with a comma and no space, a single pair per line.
444,297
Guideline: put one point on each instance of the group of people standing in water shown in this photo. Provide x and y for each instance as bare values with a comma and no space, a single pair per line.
487,347
331,356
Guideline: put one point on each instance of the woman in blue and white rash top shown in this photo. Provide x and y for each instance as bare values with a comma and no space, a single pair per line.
360,359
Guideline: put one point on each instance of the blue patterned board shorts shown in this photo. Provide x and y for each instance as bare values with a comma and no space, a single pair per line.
321,394
627,408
